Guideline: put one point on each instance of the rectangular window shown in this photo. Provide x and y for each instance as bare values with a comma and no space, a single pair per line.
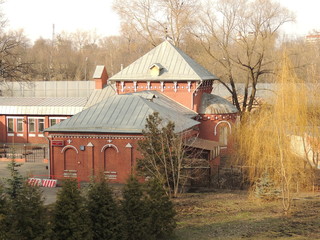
53,122
32,127
56,120
10,125
19,125
40,125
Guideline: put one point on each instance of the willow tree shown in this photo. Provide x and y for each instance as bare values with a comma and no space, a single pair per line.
265,142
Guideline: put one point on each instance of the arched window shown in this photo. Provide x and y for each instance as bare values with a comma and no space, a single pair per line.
224,133
70,162
111,165
223,130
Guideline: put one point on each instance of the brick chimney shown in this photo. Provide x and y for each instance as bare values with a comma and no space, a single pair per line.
100,76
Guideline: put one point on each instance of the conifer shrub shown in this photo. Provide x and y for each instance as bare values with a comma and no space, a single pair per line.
135,210
70,218
3,213
265,188
161,210
25,215
104,212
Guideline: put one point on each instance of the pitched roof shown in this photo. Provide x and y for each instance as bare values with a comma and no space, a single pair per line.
98,71
177,66
121,114
41,106
99,94
164,100
213,104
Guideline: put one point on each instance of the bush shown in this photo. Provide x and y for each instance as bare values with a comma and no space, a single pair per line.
70,219
135,211
25,214
265,189
161,211
104,213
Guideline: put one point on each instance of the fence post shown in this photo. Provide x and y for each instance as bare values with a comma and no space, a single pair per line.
25,152
219,176
4,150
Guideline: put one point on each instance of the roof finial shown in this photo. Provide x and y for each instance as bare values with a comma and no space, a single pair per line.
167,37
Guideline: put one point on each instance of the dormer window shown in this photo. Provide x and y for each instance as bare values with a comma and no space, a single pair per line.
155,69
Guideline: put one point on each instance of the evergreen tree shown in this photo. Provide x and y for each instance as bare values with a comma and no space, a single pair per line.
135,212
16,180
103,211
161,210
25,213
70,219
3,214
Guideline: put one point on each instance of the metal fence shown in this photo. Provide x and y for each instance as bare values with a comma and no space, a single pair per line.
29,153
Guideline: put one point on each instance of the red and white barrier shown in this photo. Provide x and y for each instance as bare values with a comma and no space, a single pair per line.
35,182
42,182
49,183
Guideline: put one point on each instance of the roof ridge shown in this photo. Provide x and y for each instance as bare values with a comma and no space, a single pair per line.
184,56
177,66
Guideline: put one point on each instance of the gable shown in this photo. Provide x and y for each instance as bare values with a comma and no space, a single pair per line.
171,64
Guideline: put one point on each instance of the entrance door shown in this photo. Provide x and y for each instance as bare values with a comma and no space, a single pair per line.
111,164
70,163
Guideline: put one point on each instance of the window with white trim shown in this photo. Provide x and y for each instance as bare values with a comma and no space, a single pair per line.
56,120
14,124
36,126
40,125
32,125
19,125
10,125
53,122
224,134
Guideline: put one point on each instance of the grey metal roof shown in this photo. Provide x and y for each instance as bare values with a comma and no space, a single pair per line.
213,104
98,71
177,66
41,106
99,94
165,101
121,114
47,89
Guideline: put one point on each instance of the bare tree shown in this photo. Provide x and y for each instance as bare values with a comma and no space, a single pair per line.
165,155
240,36
14,65
156,19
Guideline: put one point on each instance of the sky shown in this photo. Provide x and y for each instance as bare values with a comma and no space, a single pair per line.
37,17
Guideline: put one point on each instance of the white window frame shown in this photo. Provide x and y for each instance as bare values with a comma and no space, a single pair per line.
34,122
21,125
59,120
14,127
36,126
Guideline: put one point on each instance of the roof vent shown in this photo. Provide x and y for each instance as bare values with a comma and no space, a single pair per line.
155,69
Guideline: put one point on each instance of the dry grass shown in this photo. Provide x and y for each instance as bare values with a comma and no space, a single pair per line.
232,215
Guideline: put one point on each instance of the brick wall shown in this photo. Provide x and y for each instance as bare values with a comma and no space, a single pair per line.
89,155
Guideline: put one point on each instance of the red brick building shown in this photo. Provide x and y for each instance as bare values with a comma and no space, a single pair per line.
23,119
103,137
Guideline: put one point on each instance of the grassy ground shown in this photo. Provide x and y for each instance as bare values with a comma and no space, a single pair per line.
232,215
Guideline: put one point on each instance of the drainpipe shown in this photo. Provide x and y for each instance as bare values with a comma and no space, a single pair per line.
49,154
